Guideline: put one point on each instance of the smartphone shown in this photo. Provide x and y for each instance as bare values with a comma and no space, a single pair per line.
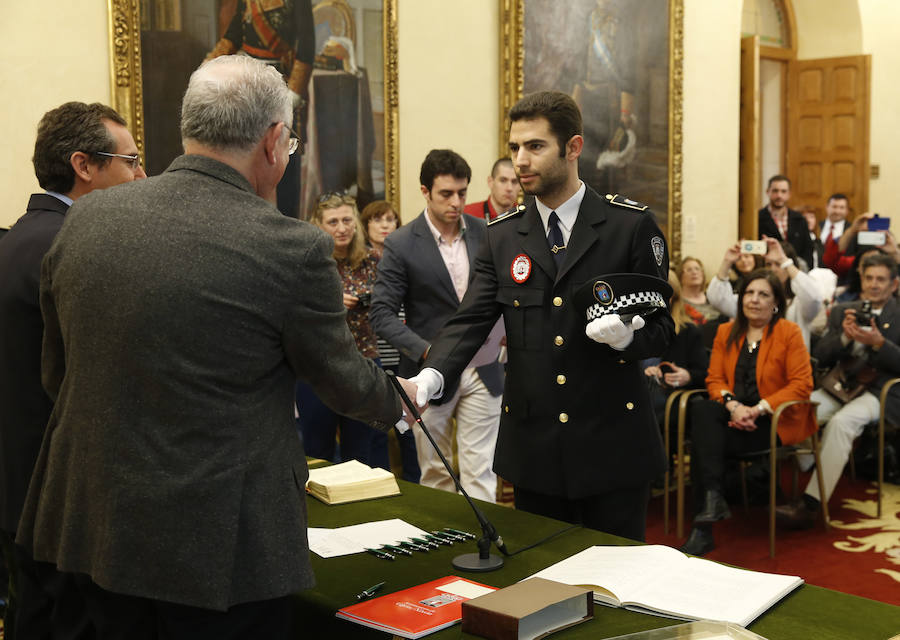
877,223
757,247
872,238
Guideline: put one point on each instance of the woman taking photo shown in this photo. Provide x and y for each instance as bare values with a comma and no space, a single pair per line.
337,216
759,360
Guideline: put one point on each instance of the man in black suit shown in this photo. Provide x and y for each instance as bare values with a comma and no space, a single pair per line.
426,268
79,148
578,438
876,340
178,313
776,220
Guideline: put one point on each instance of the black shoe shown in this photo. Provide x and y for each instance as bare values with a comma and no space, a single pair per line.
699,543
714,508
796,516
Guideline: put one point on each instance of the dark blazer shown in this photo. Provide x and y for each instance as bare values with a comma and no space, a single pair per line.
24,405
179,311
412,273
798,233
829,349
687,351
577,419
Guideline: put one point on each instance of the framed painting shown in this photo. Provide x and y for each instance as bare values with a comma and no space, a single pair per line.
349,121
621,60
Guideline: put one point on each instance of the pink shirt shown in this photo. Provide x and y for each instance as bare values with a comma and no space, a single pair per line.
455,255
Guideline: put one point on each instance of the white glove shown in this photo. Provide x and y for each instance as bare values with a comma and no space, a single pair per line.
430,385
611,330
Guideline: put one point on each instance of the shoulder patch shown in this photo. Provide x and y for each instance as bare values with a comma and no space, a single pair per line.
625,203
507,215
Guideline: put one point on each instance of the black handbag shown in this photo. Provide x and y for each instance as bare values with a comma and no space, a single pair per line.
849,378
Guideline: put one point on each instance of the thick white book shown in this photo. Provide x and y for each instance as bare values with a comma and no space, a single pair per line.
663,581
350,481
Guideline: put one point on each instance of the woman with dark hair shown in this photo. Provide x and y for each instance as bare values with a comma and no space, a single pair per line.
759,360
379,219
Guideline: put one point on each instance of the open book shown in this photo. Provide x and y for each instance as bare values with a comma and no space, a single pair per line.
663,581
350,481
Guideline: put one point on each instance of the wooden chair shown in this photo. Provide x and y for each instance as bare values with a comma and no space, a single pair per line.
881,421
773,452
682,398
673,397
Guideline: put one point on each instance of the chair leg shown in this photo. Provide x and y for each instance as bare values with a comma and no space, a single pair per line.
773,478
666,439
826,522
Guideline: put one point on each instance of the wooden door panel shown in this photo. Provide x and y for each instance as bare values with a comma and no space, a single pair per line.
749,178
828,130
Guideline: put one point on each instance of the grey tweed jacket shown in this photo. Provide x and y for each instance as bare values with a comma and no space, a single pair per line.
179,311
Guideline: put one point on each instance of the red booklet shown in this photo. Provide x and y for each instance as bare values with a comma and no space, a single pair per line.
419,610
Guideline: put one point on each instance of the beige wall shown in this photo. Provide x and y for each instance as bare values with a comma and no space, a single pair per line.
879,37
448,89
448,94
68,59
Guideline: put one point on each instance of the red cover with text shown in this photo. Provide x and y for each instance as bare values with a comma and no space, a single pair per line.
413,612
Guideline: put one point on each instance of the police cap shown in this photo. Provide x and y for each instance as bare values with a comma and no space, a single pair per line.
627,294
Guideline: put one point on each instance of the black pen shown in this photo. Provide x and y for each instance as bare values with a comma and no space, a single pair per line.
396,549
461,533
413,545
449,536
368,593
384,555
427,543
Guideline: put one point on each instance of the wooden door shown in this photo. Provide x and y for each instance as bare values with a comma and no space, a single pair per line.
749,180
828,130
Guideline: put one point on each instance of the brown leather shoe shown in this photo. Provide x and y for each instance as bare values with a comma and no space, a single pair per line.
796,516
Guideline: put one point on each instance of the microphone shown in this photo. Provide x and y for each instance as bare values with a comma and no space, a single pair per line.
484,560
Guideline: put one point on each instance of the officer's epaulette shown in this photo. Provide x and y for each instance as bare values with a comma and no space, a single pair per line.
625,203
506,215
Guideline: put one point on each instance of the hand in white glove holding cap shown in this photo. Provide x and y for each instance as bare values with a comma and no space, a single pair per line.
610,329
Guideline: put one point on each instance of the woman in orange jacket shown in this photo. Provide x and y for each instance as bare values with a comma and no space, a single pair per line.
758,361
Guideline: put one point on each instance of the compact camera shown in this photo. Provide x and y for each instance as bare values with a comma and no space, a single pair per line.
864,314
365,299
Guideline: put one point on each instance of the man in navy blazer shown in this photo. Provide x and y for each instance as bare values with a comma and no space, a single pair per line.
79,148
426,267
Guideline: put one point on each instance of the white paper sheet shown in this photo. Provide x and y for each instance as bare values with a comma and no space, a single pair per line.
329,543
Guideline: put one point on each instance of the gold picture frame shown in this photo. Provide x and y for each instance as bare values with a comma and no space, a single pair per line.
513,83
127,72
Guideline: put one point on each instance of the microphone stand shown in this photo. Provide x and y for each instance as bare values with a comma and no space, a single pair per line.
484,560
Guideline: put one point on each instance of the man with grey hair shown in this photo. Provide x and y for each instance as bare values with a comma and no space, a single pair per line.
170,484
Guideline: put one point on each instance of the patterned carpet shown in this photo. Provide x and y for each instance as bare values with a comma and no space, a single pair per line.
860,554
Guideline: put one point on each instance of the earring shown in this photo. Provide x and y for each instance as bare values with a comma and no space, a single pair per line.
775,310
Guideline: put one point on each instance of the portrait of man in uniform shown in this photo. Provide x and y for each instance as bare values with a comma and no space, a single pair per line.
614,62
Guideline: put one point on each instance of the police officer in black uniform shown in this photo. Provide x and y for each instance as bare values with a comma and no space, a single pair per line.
577,438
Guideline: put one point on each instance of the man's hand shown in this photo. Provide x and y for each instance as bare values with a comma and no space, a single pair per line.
411,390
429,385
611,330
867,335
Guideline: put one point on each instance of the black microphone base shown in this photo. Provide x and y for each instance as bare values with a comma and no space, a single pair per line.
475,563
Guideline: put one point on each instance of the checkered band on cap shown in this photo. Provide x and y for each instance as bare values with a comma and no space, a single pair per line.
640,300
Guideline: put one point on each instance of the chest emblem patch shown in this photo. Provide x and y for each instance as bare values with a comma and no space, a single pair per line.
520,269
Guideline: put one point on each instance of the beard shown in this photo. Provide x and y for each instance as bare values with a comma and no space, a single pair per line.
548,181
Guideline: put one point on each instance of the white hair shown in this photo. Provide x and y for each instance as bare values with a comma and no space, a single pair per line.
231,101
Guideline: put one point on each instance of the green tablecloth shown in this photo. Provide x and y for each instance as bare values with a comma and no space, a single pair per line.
807,613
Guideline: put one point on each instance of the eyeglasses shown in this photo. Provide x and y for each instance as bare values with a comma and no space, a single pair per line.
133,161
295,142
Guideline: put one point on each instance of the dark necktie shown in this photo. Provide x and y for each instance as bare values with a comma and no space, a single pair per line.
555,239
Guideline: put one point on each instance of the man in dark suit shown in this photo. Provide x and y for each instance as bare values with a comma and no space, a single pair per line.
776,220
426,268
79,148
875,339
178,313
578,438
